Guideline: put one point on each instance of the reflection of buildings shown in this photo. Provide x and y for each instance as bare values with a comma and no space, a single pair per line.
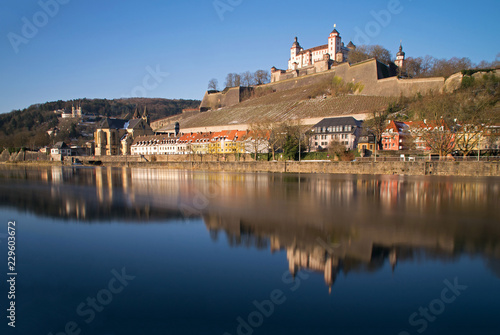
325,223
338,247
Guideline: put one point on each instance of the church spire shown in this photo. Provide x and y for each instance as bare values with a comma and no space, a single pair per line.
145,115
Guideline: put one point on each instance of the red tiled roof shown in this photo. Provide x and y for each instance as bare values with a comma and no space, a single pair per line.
321,47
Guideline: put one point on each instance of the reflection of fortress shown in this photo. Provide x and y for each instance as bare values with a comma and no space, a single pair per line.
329,224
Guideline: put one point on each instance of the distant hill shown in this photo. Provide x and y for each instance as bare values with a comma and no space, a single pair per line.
28,127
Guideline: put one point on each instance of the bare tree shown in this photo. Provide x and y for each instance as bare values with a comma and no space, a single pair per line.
438,135
381,53
230,80
247,79
237,80
365,52
377,124
233,80
213,84
257,139
261,77
275,133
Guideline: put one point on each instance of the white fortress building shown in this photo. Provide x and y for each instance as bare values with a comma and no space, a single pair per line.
326,57
334,51
318,59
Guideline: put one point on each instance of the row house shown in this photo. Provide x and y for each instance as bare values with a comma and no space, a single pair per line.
229,141
223,142
366,142
396,136
345,130
418,130
155,145
490,139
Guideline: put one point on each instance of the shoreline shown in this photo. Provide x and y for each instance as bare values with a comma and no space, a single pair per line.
419,168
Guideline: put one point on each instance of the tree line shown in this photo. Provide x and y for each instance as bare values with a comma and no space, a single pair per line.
419,67
28,127
454,122
259,77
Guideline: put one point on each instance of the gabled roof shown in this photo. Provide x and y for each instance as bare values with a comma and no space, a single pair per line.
110,123
60,145
151,139
426,125
396,126
133,123
321,47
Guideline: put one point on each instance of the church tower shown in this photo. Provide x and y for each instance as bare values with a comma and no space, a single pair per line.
400,57
145,115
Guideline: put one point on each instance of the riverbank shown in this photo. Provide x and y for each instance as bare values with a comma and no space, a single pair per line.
418,168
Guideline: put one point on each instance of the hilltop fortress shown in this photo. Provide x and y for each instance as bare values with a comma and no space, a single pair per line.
317,64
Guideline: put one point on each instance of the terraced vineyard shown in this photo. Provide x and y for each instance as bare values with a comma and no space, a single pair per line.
286,105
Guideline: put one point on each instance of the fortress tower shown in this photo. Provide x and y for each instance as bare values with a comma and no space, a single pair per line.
400,57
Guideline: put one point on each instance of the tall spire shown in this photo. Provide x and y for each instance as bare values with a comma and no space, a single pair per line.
401,53
136,114
145,115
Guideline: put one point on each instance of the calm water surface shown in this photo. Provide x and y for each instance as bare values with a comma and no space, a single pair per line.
105,251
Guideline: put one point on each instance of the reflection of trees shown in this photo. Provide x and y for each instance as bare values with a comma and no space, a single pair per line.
494,265
326,223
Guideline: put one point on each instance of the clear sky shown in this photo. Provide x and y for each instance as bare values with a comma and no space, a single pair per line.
70,49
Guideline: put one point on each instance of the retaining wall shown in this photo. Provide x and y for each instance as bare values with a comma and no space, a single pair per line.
209,163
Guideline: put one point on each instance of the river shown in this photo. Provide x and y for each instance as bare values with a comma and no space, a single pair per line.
107,251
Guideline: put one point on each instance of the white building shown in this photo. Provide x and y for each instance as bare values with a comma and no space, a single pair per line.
335,49
60,148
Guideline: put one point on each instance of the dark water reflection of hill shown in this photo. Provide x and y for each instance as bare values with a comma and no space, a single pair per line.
325,223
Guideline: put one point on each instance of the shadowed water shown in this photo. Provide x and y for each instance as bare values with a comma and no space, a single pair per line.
138,251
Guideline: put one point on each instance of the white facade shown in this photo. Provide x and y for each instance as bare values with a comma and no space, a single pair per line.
60,151
335,49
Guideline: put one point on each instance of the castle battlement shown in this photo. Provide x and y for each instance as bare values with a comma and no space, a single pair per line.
322,58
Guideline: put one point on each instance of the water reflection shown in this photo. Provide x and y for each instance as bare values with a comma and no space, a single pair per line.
325,223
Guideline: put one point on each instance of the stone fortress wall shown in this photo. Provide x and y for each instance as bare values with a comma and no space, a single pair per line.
371,74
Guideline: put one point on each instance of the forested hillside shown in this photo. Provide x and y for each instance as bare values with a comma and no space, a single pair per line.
28,127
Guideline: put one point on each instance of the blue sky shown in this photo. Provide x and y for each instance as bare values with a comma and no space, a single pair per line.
171,49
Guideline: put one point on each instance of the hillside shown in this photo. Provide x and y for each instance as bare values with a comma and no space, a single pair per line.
28,127
285,105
